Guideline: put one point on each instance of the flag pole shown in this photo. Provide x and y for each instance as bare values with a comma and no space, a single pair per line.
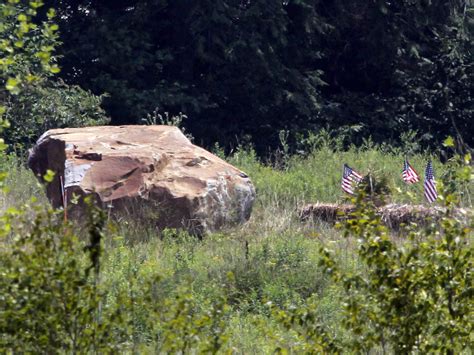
404,182
64,197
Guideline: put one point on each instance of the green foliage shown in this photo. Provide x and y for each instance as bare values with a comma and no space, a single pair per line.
26,48
255,67
416,296
19,46
255,288
399,66
313,337
39,108
55,297
184,328
34,102
50,301
436,93
235,67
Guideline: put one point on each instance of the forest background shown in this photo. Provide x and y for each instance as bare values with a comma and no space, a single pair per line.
240,70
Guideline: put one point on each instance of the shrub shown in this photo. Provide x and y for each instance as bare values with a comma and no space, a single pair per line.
49,286
32,100
416,296
50,104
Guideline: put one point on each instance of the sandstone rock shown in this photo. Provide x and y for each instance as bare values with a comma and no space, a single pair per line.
126,167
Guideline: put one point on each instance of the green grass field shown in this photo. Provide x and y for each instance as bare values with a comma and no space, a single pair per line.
269,263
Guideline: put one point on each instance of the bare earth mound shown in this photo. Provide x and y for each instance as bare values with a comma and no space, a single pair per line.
155,166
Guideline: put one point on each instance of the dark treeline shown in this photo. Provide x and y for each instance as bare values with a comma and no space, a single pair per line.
251,68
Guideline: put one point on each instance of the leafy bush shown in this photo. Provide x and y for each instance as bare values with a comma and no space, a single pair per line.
50,104
183,326
33,101
27,45
49,286
411,296
54,298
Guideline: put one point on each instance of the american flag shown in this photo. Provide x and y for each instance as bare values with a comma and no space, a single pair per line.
409,175
350,178
430,184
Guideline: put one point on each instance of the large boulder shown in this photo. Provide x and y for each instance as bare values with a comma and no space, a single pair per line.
135,168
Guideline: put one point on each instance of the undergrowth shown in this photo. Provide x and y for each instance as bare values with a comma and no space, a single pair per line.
258,288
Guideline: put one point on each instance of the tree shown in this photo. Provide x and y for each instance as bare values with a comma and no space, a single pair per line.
33,101
396,66
254,67
47,105
235,67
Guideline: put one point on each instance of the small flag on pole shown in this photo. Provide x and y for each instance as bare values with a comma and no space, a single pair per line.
409,175
430,184
350,178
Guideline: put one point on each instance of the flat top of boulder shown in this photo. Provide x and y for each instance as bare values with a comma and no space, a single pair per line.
133,140
128,137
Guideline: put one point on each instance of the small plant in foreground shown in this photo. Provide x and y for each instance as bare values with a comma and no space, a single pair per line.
414,297
313,337
49,286
181,325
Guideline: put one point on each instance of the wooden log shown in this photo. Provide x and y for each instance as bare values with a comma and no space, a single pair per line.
393,215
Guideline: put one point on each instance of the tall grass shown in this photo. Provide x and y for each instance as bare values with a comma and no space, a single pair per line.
317,176
271,260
